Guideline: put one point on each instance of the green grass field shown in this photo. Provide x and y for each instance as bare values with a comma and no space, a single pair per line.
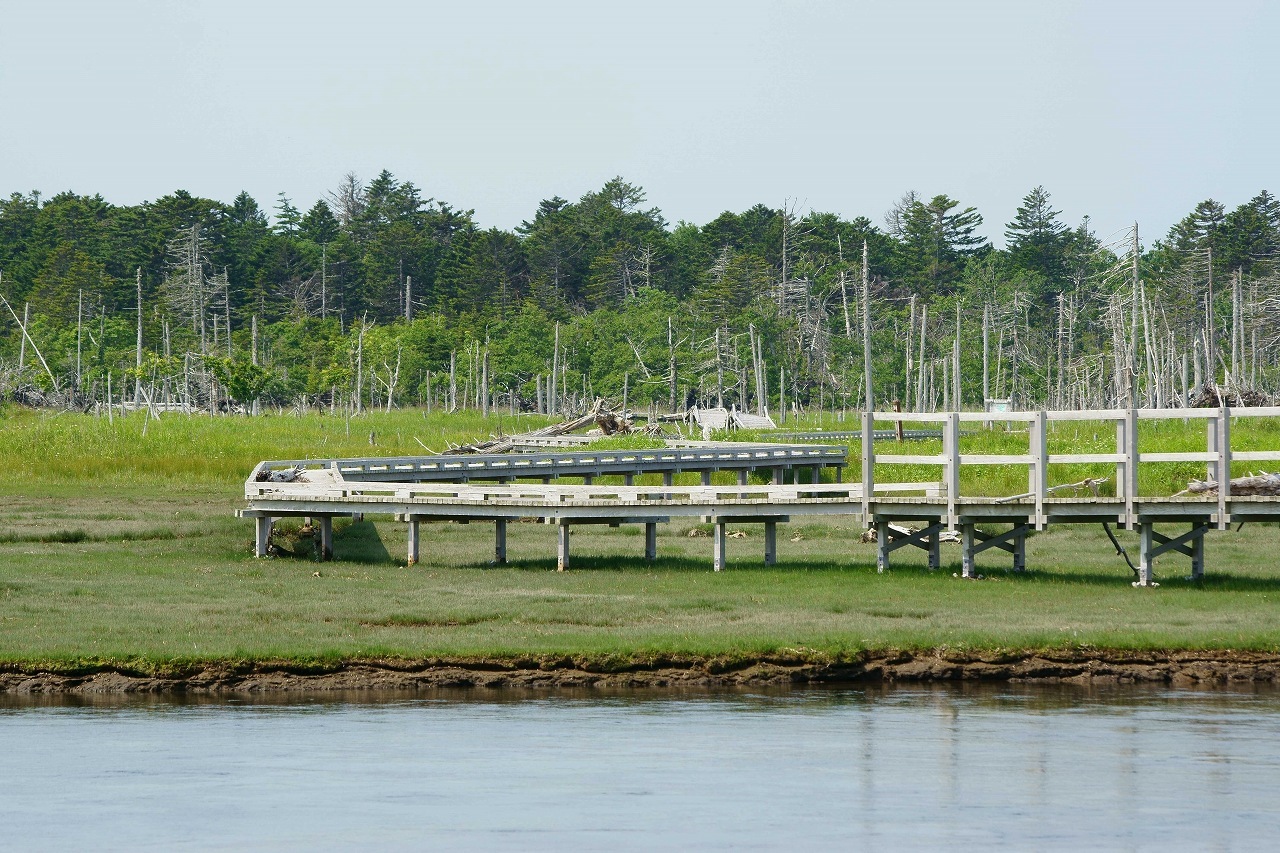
120,547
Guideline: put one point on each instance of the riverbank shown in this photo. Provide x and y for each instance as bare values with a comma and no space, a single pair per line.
1092,666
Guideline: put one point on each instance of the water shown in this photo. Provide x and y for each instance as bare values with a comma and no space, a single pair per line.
1049,768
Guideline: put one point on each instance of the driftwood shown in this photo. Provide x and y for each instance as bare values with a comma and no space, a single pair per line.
610,423
1090,483
951,537
1254,484
1211,397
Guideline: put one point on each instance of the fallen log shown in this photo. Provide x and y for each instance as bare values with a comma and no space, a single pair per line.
1264,484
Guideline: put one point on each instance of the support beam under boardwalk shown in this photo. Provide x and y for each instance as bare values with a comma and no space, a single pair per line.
651,540
562,546
499,541
414,540
1154,543
326,537
890,539
718,545
973,542
262,541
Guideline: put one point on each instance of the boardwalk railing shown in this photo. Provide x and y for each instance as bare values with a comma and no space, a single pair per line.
1127,456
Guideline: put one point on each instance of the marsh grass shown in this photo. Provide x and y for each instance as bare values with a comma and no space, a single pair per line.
121,548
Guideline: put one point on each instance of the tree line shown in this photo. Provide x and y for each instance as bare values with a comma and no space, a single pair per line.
379,296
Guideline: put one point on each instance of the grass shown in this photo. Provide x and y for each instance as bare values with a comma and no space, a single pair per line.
122,548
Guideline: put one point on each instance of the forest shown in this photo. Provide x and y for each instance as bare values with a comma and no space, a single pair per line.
376,297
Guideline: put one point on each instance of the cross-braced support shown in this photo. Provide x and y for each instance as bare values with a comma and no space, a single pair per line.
1155,543
889,540
973,542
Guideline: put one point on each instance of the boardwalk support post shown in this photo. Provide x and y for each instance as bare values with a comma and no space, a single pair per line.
414,530
326,537
651,540
499,541
562,546
770,543
262,541
718,545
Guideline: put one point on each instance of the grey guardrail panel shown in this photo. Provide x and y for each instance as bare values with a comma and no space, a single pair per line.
575,463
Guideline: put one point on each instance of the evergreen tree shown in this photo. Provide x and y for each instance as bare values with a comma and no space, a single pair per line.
1036,240
937,241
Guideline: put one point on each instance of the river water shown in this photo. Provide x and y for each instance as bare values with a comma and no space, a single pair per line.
1046,768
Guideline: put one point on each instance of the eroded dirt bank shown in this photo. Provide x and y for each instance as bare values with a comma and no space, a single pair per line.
1179,667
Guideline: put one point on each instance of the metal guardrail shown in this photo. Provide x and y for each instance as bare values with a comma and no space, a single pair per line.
574,463
856,435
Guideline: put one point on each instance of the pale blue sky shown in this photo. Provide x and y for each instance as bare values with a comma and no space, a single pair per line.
1122,111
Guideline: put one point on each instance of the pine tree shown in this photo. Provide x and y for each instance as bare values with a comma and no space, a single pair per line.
1036,240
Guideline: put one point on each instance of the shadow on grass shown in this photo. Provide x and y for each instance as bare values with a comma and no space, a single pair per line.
353,543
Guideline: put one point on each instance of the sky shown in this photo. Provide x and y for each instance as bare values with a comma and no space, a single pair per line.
1123,111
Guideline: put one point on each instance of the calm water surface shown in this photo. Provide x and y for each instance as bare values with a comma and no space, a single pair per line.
1049,768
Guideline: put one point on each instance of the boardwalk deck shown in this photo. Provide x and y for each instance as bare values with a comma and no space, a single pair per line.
414,490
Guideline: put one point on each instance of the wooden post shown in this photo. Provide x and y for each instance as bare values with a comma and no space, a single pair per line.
706,478
1040,450
951,470
882,546
1224,465
1197,556
326,537
718,545
866,331
413,541
868,463
1130,452
1020,551
770,543
263,539
966,550
562,546
651,540
1145,562
499,540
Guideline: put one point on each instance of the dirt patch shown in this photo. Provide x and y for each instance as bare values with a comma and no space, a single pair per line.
1085,667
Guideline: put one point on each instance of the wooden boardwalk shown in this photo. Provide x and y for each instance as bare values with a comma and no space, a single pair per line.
420,489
